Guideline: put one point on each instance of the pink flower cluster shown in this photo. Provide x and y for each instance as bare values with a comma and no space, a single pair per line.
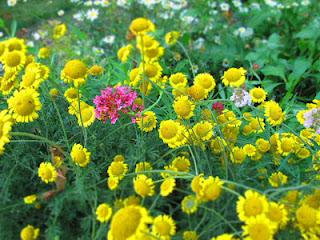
114,101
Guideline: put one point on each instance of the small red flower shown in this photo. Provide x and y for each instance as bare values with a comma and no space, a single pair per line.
218,106
256,66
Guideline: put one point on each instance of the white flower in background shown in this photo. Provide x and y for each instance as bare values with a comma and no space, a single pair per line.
212,4
237,3
97,2
224,7
165,15
109,39
60,13
243,9
271,3
74,1
104,3
213,12
77,52
36,36
305,2
199,43
88,3
240,97
92,14
11,3
217,39
148,3
122,3
78,16
43,33
255,6
174,4
30,44
295,4
97,50
243,32
225,63
1,34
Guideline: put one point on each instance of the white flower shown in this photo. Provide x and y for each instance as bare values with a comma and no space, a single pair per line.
122,3
60,13
237,3
255,6
240,97
1,34
224,7
36,36
305,2
78,16
271,3
30,44
213,12
109,39
243,9
199,43
243,32
88,3
92,14
11,3
104,3
212,4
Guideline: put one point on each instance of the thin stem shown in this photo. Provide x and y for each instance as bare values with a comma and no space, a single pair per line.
189,59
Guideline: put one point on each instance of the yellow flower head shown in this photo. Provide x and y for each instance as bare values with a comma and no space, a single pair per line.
124,53
16,44
169,131
5,127
210,189
234,77
258,95
143,166
178,79
80,155
147,122
307,218
225,236
206,81
30,199
118,169
197,92
71,94
103,212
47,172
113,183
29,233
146,42
273,112
203,130
74,71
183,107
96,70
262,145
25,105
153,54
141,26
167,186
259,228
164,226
44,52
136,218
152,70
14,61
278,214
172,37
218,145
190,235
143,186
182,164
54,92
278,179
189,204
59,31
238,155
250,150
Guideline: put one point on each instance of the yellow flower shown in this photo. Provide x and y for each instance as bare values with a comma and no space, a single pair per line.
164,226
153,54
278,179
189,204
169,131
306,218
132,200
113,183
118,169
24,105
259,228
96,70
14,61
190,235
3,49
210,189
234,77
206,81
172,37
273,112
103,212
257,125
197,92
178,79
143,185
74,71
57,160
47,172
44,52
278,214
134,77
71,94
262,145
29,233
54,92
180,90
258,95
152,70
218,145
203,130
183,107
30,199
143,166
136,221
147,122
31,78
145,42
86,116
225,236
250,150
16,44
251,205
5,127
124,53
167,186
182,164
59,31
80,155
141,26
118,158
237,155
286,145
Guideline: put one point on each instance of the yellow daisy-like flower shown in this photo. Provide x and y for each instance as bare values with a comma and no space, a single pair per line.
14,61
71,94
225,236
5,127
164,226
113,183
203,130
141,26
103,212
178,79
143,166
183,107
44,53
167,186
169,131
278,214
258,95
257,125
134,77
172,37
152,70
147,122
30,199
54,92
153,54
286,145
80,155
132,200
250,150
307,218
262,145
180,90
218,145
206,81
136,221
29,233
118,169
145,42
251,205
3,49
16,44
74,71
31,78
197,92
273,112
86,116
47,172
190,235
234,77
96,70
59,31
143,186
119,158
189,204
182,164
24,105
124,53
259,228
210,189
278,179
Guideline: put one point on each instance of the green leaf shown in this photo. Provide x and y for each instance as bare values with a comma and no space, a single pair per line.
269,85
13,28
2,24
300,66
278,71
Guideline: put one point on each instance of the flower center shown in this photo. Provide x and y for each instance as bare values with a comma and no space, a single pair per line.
259,231
13,59
252,207
233,75
75,69
24,105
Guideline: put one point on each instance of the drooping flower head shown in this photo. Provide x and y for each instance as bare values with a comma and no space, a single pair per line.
114,101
